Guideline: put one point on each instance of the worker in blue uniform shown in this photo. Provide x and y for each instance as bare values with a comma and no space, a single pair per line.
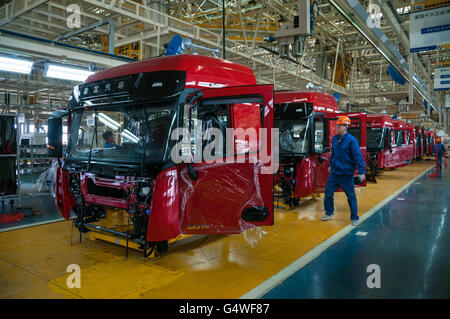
440,151
109,140
345,158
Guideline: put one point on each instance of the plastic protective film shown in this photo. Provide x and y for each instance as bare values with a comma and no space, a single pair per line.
218,200
48,178
45,182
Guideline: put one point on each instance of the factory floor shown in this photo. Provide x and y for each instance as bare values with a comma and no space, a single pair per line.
33,261
38,207
407,239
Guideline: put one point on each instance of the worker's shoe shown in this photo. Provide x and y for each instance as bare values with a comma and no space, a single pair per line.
326,217
355,223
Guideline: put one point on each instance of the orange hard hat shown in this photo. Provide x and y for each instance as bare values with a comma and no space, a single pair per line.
438,140
343,120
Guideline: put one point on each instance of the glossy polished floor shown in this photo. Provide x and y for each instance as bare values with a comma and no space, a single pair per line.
33,260
38,207
408,239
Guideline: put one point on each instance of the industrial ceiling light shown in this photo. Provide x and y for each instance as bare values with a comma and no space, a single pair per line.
127,134
66,73
108,121
15,65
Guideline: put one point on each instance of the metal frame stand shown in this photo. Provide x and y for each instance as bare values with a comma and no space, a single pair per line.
16,196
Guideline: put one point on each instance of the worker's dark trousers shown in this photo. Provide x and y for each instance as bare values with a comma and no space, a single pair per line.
440,160
347,184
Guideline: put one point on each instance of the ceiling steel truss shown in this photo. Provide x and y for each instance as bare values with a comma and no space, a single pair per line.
337,48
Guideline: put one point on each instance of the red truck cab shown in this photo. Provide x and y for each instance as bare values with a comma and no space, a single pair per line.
307,123
431,140
401,144
411,138
390,143
423,133
419,142
379,127
123,130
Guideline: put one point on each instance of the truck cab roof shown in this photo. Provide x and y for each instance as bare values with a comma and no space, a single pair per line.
380,120
322,102
201,71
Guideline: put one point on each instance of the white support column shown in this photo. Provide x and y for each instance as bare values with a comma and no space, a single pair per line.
158,39
411,83
111,36
430,83
441,109
310,64
352,75
381,73
257,27
242,22
275,64
335,59
447,129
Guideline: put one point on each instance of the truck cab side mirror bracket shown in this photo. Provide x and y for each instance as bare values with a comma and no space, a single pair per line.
192,173
191,96
55,132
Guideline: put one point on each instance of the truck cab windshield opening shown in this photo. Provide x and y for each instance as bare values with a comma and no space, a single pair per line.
122,133
293,121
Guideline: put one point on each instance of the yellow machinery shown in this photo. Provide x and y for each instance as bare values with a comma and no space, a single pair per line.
132,50
117,220
343,68
278,193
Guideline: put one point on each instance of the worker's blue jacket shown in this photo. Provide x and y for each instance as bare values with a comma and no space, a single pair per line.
346,156
441,149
